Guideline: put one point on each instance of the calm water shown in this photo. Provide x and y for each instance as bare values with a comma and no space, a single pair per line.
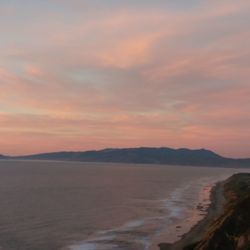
85,206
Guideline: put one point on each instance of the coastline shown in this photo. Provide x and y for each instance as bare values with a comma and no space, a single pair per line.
179,227
196,233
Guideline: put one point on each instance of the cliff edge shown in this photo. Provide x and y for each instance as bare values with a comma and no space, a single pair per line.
231,230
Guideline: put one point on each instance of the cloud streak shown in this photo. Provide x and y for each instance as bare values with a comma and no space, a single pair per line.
121,74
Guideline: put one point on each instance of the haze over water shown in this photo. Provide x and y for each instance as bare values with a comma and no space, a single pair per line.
85,206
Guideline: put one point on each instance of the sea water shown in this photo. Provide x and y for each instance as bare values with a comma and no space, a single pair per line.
100,206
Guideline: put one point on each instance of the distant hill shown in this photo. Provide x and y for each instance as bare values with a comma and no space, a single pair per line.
163,155
2,156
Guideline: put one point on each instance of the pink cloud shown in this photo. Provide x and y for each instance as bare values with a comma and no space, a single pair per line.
130,77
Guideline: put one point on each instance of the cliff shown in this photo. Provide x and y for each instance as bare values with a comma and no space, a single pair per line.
231,230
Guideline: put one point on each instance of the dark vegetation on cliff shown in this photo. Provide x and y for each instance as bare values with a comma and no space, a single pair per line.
182,156
231,231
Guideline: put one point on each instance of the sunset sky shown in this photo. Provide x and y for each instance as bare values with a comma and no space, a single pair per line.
91,74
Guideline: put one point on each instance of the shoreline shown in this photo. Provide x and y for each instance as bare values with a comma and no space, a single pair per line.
196,233
184,232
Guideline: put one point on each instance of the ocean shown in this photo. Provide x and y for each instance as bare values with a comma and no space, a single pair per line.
49,205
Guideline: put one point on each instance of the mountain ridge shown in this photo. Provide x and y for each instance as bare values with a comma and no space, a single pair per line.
143,155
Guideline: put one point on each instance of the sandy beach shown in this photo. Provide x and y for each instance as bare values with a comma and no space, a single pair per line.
197,231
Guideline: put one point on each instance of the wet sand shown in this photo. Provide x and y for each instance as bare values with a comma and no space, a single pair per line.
199,230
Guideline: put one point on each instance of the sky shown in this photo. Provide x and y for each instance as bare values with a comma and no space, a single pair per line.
91,74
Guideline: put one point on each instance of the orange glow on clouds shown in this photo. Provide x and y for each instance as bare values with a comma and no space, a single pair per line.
77,77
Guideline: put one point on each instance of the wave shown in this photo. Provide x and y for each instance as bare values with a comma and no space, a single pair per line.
178,212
